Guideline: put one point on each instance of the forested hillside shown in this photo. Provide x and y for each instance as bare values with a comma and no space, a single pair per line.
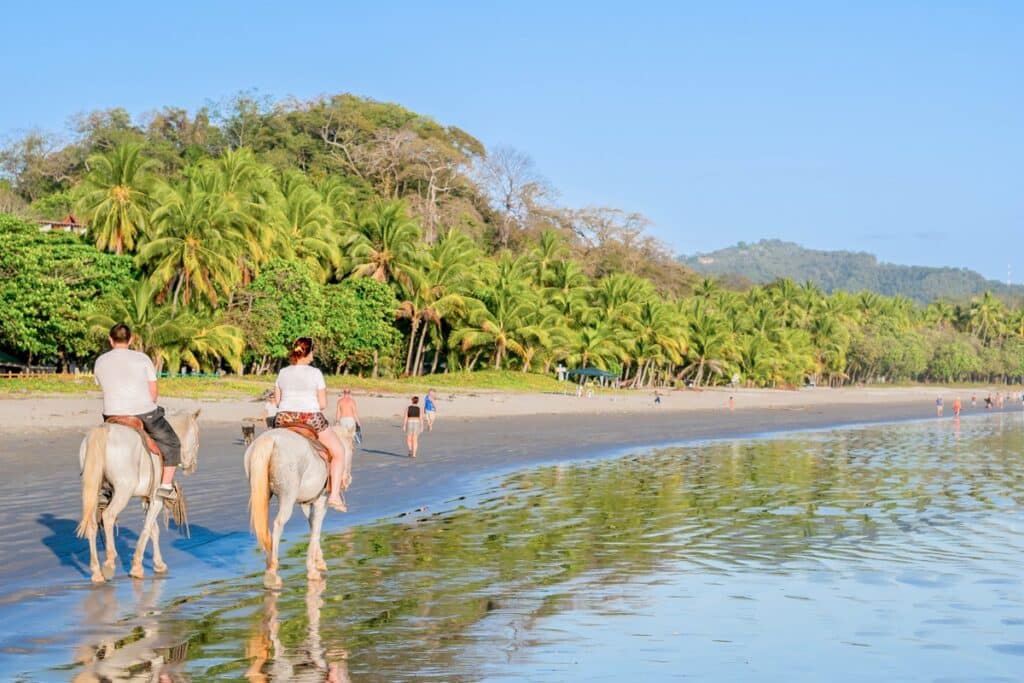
769,260
405,247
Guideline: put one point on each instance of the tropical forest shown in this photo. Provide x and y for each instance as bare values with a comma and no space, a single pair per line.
406,247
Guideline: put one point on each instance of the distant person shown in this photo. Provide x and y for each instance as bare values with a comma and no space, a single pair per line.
938,406
988,402
974,400
657,397
269,409
347,417
430,409
347,414
732,403
412,426
956,407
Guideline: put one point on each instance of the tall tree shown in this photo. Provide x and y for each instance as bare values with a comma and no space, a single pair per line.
116,199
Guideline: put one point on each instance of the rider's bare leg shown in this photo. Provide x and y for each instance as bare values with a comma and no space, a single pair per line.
168,475
336,465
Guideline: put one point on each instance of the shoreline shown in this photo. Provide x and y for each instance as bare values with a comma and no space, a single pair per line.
39,414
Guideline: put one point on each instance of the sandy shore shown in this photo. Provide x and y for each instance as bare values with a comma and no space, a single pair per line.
478,436
44,414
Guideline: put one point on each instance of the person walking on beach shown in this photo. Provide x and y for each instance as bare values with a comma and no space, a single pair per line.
300,394
127,379
974,400
938,406
412,427
430,409
956,407
269,408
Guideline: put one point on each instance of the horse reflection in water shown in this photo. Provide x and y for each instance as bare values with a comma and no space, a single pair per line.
143,655
272,662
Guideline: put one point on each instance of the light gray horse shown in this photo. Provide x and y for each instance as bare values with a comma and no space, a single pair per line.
284,464
116,454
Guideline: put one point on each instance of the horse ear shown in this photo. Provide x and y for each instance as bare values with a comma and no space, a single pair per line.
195,415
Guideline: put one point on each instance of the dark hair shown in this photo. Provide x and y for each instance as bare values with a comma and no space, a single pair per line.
302,347
415,399
120,334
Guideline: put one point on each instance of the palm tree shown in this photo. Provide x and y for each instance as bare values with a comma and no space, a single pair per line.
443,289
194,246
504,322
986,317
385,244
307,226
166,337
707,345
550,250
116,200
658,338
596,346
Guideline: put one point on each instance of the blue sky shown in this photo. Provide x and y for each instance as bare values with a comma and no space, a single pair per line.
890,127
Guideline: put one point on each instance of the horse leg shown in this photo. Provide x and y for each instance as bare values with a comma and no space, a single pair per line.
117,504
94,559
284,513
315,564
159,566
155,506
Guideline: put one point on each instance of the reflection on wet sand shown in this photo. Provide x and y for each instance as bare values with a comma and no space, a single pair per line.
130,649
272,661
825,531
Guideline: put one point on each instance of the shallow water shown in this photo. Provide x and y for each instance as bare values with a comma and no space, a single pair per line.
888,553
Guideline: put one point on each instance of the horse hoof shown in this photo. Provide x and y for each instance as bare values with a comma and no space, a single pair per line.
137,573
321,567
272,582
108,571
160,568
98,578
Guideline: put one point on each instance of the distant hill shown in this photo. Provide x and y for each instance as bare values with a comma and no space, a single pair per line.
770,260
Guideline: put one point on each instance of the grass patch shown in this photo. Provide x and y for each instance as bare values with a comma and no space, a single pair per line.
233,386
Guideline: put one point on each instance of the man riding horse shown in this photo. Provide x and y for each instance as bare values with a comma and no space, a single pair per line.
128,381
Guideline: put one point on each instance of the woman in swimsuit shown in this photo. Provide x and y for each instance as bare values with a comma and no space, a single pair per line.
412,427
301,396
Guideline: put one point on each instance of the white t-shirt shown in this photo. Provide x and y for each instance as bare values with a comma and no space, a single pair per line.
299,385
124,375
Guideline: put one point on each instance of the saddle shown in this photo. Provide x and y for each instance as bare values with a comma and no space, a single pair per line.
132,422
307,432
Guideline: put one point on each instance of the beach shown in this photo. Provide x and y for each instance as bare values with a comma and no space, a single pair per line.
478,435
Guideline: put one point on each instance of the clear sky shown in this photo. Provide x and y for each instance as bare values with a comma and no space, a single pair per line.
890,127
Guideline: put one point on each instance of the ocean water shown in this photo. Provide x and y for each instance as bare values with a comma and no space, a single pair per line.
890,553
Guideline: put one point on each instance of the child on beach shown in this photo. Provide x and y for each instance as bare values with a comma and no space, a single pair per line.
429,409
956,407
938,406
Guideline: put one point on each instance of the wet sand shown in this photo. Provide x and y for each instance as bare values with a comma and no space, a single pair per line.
44,586
39,494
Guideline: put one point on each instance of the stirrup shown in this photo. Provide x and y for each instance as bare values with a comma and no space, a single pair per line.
169,495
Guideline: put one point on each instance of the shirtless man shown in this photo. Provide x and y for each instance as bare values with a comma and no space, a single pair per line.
347,416
128,381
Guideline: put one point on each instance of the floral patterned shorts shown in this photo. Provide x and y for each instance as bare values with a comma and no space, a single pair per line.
315,420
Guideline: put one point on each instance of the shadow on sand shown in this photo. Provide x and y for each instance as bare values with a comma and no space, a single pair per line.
73,552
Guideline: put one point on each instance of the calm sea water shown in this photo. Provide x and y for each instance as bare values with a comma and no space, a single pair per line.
889,553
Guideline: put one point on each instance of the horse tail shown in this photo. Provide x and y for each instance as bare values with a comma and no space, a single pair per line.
263,450
92,477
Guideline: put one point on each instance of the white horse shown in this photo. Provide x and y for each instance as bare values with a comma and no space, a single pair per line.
117,454
282,463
